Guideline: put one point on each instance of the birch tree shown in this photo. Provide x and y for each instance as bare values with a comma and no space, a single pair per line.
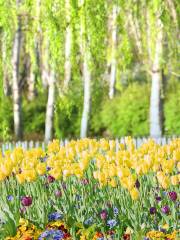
15,78
50,107
86,73
147,30
68,40
113,46
156,81
31,80
6,75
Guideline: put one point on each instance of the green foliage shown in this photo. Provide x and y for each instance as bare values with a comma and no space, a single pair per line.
126,114
6,118
172,108
34,115
68,115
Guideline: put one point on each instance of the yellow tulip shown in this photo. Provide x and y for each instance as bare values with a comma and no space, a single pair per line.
20,177
55,173
134,194
123,172
174,180
41,168
113,183
165,182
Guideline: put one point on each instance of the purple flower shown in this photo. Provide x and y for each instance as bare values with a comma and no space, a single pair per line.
103,214
172,196
50,179
10,198
48,168
158,198
58,193
55,216
116,211
85,181
52,234
137,184
165,209
26,201
152,210
111,223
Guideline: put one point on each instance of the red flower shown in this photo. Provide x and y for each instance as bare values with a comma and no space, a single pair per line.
50,179
99,234
28,238
111,232
66,235
126,237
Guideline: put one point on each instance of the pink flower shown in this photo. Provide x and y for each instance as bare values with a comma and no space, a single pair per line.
26,201
103,214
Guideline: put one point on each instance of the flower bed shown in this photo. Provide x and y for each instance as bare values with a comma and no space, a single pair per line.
91,189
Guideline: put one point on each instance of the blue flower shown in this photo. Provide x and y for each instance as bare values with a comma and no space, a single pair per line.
10,198
88,221
116,211
55,216
52,234
111,223
48,168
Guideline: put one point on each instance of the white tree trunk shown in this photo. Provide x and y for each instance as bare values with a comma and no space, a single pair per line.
6,83
50,108
112,80
31,84
87,98
67,65
86,73
15,79
155,101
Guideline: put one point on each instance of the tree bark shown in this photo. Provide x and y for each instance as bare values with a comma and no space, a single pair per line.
30,75
15,79
31,84
86,73
6,82
67,65
44,64
155,100
50,108
112,80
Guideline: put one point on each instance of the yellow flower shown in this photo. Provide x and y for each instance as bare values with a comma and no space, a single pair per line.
20,177
174,180
123,172
41,168
134,194
165,183
56,173
113,183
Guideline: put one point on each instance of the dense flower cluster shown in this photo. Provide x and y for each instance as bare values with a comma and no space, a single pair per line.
26,231
155,235
91,185
54,231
